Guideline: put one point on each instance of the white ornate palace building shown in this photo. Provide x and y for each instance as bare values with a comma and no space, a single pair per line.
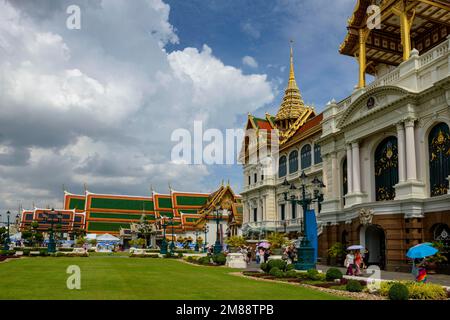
383,152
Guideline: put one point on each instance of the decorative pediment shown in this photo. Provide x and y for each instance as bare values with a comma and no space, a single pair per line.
371,102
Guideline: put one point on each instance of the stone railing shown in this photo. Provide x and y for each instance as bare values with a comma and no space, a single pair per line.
410,73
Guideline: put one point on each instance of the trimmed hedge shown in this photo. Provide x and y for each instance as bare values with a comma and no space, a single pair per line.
219,259
276,272
333,274
353,286
398,291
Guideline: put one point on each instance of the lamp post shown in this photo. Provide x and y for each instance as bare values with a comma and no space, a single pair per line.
163,249
196,241
217,245
7,239
172,243
305,253
205,229
50,217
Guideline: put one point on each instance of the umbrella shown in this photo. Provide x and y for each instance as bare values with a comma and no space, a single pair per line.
356,247
264,245
421,251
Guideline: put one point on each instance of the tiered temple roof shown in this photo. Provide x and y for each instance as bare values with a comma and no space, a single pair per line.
106,213
291,116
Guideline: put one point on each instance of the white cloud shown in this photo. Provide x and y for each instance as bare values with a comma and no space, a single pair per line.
98,105
250,61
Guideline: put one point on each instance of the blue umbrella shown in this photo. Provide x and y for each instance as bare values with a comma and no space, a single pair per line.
421,251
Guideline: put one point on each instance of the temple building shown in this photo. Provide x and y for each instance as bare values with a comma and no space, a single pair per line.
286,147
183,213
386,147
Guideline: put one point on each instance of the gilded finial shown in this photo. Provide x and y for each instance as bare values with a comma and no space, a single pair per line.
85,187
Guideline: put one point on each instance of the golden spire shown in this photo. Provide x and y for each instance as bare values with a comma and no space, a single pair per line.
292,106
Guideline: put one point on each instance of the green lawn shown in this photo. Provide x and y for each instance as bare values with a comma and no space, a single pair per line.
118,277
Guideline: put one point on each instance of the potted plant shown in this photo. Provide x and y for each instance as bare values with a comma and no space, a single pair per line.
277,240
434,261
336,253
235,242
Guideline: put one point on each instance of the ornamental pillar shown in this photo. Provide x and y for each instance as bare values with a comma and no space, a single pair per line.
405,27
411,167
349,170
356,168
334,175
401,152
363,34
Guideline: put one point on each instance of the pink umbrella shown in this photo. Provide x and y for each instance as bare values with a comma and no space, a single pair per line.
265,245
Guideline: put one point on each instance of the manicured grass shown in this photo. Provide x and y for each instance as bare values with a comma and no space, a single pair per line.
120,277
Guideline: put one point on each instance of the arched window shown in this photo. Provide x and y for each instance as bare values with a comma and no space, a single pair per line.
317,154
305,155
386,169
293,161
344,179
439,159
282,167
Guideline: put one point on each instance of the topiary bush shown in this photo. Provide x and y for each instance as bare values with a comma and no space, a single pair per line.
204,260
290,266
291,274
313,274
398,291
333,274
264,267
276,272
180,255
276,263
219,259
353,286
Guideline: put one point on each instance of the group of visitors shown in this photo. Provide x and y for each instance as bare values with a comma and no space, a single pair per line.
262,254
290,253
355,261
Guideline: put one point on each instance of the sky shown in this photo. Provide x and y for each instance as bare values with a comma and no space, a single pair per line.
96,107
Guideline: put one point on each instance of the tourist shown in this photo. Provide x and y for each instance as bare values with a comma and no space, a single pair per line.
257,256
420,270
249,254
349,261
366,258
266,255
358,262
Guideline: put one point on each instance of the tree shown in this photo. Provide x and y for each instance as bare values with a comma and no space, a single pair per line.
277,239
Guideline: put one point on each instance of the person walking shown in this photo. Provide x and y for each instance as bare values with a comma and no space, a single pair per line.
420,270
257,256
358,262
349,262
266,255
366,258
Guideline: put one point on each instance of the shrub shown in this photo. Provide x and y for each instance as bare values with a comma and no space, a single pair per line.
398,291
313,274
219,258
353,286
302,275
190,259
290,266
264,267
276,272
43,252
203,260
277,240
280,264
333,274
426,291
291,274
180,255
235,241
420,291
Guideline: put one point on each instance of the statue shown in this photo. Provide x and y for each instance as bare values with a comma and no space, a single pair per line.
365,216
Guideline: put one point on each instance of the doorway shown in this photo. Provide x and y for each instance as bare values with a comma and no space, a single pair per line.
373,239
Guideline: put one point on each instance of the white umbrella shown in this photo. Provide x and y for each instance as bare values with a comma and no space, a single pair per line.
356,247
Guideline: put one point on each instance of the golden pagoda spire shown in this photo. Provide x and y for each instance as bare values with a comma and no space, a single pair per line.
292,106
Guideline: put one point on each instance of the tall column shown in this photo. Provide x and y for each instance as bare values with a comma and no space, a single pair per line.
401,152
405,27
349,170
411,170
356,168
363,34
334,175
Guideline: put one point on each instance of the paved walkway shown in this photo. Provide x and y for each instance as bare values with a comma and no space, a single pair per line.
441,279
